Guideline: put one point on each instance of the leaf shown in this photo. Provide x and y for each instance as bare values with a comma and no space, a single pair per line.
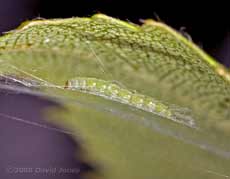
152,60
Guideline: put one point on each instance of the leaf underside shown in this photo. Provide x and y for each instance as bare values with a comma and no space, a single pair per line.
153,60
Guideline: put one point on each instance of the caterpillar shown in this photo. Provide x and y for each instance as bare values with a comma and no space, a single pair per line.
112,91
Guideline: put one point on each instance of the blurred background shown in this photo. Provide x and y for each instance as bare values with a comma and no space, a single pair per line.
25,145
207,24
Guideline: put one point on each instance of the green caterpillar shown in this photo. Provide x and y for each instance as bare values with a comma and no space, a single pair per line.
112,91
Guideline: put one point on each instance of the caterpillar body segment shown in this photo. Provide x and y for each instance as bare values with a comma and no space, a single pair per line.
113,91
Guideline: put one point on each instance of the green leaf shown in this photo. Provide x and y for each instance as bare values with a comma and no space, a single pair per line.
152,62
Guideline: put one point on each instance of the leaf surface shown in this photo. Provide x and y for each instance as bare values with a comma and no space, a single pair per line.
152,60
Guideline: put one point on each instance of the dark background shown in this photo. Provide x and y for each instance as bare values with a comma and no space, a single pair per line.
208,24
23,145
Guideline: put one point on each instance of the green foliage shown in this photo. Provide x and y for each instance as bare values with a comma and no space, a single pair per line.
152,60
